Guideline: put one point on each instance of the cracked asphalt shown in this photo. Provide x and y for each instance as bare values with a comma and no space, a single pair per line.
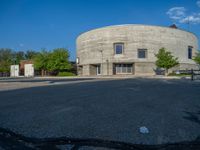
108,110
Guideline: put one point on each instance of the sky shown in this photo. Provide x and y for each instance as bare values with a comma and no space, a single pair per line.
37,24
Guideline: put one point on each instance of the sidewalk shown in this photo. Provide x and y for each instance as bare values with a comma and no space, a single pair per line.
23,82
97,77
7,78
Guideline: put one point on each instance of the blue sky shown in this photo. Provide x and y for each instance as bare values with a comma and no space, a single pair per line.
36,24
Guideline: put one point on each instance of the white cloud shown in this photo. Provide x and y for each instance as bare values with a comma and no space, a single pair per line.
179,15
192,19
198,3
176,13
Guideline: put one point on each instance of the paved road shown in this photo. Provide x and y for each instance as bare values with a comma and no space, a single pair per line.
19,83
33,80
109,110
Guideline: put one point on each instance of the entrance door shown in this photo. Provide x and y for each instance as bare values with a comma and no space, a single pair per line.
98,69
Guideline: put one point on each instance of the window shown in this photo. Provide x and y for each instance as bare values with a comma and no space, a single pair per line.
129,68
124,68
189,52
119,47
142,53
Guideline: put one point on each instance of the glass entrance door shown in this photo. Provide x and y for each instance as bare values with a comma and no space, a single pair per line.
98,69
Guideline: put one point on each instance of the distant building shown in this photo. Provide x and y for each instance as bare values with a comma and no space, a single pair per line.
14,70
131,49
26,68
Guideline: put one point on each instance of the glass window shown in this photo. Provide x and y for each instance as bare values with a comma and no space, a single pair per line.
123,68
119,48
118,68
129,68
142,53
98,69
189,52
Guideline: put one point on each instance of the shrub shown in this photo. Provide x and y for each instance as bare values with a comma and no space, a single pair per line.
63,74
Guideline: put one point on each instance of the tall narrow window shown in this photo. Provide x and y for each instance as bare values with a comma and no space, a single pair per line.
119,48
142,53
189,52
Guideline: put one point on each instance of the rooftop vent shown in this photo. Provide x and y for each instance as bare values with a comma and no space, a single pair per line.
173,26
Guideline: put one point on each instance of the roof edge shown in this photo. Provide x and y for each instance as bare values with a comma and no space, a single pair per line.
136,25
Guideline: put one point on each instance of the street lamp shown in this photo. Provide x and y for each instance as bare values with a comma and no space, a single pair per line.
101,51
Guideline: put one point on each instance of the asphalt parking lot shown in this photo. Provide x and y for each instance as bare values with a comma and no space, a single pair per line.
112,110
20,83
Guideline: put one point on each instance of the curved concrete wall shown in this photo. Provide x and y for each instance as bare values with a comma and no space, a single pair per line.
96,46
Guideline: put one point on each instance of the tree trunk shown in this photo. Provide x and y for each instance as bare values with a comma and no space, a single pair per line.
166,72
45,72
42,72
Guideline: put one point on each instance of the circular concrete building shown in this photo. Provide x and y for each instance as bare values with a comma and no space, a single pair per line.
131,49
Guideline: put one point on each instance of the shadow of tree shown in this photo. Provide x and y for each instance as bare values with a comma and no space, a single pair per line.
192,116
13,141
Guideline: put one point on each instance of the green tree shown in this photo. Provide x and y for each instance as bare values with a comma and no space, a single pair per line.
165,60
59,60
30,54
18,56
197,58
41,61
6,59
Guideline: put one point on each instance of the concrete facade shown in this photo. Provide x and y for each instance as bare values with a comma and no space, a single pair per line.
96,48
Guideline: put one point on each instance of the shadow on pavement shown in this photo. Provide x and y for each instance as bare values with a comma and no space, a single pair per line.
193,116
10,140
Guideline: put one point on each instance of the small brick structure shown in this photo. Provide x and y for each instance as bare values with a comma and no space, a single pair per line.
22,64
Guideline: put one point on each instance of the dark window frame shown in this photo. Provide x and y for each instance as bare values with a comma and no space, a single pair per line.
190,50
138,53
115,48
